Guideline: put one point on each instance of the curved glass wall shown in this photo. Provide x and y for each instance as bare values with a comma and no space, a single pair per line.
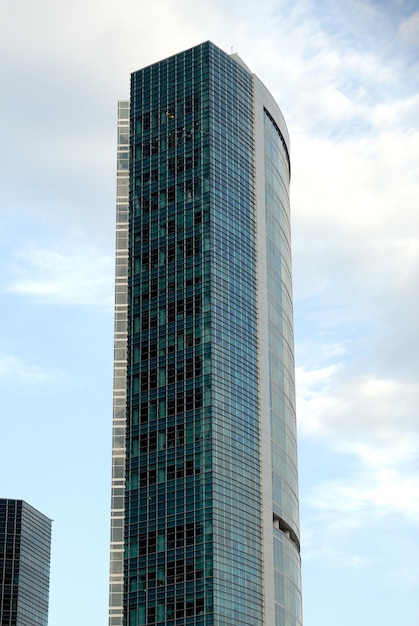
286,542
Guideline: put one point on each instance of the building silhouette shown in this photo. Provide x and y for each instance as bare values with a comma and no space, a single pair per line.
204,522
25,542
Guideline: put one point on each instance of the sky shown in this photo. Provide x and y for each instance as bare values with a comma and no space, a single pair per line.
345,74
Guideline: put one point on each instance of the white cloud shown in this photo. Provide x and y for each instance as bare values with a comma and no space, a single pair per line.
358,413
331,556
16,369
75,277
373,423
409,29
374,497
359,509
396,114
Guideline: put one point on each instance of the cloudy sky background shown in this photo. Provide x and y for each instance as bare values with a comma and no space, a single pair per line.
345,75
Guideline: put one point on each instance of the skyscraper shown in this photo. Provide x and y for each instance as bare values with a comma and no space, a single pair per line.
25,541
205,527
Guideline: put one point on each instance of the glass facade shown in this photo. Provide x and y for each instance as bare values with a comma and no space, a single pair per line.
190,431
25,540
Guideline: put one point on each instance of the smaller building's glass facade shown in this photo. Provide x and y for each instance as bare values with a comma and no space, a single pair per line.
25,540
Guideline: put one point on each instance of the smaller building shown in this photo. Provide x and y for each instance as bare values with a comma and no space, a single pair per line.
25,546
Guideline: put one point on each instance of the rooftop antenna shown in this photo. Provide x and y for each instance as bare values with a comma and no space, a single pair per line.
231,50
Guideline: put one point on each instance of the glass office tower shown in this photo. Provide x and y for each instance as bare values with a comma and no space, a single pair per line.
25,541
205,526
